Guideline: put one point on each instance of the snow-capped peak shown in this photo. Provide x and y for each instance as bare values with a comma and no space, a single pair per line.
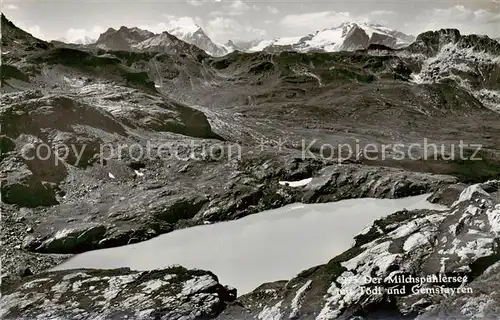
347,36
192,33
184,30
84,41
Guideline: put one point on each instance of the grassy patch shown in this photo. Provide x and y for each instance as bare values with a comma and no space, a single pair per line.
181,209
343,73
74,58
470,171
139,80
10,72
128,57
6,145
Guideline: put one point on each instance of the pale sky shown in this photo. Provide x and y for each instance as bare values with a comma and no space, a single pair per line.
246,20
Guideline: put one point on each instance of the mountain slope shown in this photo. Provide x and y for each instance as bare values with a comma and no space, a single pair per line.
17,42
165,43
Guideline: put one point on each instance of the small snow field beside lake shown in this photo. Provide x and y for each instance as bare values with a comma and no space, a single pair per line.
296,184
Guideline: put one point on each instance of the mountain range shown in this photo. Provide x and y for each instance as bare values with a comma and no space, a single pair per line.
135,39
348,36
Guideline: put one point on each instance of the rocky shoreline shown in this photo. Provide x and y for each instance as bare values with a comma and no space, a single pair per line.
32,231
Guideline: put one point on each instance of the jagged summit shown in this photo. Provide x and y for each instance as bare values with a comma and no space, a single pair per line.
471,61
431,42
122,39
192,33
127,39
185,29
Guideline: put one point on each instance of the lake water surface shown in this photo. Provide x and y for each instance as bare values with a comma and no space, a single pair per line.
265,247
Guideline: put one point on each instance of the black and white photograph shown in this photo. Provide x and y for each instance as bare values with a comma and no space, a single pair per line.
250,160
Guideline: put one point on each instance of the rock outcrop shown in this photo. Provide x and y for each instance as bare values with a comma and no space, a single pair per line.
482,303
172,293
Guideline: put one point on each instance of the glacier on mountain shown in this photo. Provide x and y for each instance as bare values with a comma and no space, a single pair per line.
348,36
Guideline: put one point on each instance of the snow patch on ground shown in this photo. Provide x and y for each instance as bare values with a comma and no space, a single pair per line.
490,98
62,234
152,285
34,283
296,184
415,225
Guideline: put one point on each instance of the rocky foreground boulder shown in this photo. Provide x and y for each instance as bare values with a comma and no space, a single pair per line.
483,303
426,264
173,293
